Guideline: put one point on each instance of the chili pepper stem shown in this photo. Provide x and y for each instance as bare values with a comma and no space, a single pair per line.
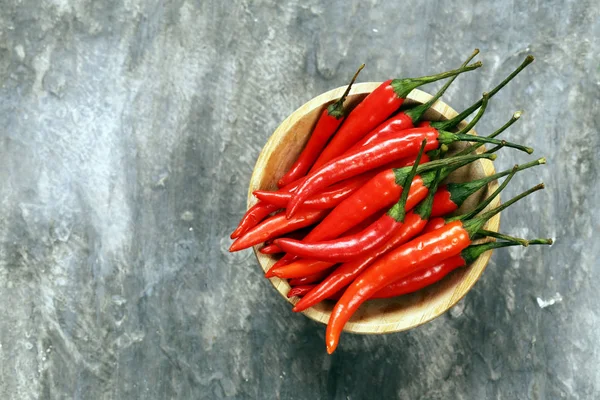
490,198
416,113
398,210
449,137
475,224
460,192
501,236
471,253
451,123
447,163
515,117
336,109
402,87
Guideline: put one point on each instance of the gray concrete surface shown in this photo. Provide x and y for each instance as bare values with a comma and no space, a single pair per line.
129,130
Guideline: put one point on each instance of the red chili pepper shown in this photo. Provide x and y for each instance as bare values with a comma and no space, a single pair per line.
409,118
428,249
260,211
252,217
329,121
373,236
334,194
305,280
327,199
270,249
304,267
428,276
276,226
374,109
362,203
299,290
351,246
344,274
403,144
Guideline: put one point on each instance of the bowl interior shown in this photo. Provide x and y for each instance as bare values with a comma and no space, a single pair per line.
382,315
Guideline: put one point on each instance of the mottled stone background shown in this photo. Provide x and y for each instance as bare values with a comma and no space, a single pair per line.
129,130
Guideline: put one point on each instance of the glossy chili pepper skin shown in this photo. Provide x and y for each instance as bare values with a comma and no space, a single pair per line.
252,217
395,124
412,283
334,194
442,203
305,267
377,233
276,226
346,248
346,273
299,290
369,113
421,279
403,145
270,249
329,121
374,109
327,199
325,128
312,278
434,224
428,248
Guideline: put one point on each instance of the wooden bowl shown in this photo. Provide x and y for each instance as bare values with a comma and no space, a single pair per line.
382,315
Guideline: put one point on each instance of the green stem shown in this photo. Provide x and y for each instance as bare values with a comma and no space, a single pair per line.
459,192
475,224
472,252
449,137
423,209
336,110
448,162
515,117
402,87
488,200
398,210
416,113
501,236
452,123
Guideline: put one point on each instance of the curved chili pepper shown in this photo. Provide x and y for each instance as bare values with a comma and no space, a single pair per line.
403,144
409,118
270,249
329,121
327,199
429,275
276,226
305,280
374,109
334,194
299,290
427,249
352,246
304,267
252,217
344,274
362,203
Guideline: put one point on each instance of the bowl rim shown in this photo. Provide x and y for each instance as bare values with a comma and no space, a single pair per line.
281,285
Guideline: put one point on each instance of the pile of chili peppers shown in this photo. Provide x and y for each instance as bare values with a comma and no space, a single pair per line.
366,211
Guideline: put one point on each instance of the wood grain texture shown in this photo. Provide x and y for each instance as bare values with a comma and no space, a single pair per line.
384,315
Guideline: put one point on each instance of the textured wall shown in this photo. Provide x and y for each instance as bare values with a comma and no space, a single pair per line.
129,130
